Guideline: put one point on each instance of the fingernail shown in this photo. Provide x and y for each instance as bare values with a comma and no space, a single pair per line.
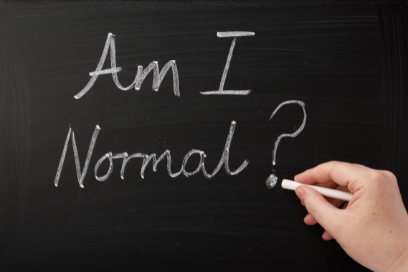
300,193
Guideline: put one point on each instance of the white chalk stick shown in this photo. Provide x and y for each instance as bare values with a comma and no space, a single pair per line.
292,185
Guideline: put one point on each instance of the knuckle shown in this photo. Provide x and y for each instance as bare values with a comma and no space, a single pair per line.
390,176
336,163
376,180
358,167
376,176
331,164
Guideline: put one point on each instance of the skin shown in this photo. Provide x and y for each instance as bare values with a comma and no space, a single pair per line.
373,228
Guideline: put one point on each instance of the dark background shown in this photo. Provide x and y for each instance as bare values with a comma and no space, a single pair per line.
345,60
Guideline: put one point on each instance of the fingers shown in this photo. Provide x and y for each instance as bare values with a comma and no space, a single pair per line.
309,219
349,175
326,236
319,209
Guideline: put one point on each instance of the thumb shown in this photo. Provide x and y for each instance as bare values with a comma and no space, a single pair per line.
324,212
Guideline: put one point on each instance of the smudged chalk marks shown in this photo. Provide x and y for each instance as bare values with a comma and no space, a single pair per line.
224,160
221,90
140,76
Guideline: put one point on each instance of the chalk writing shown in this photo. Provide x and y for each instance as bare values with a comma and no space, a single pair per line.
146,159
80,175
221,90
140,76
294,134
234,34
271,181
157,80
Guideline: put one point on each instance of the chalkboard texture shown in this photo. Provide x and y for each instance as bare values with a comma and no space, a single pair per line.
343,66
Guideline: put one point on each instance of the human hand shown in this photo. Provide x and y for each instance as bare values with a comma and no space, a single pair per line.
373,227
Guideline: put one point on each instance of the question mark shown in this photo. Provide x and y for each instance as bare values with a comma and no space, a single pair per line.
273,179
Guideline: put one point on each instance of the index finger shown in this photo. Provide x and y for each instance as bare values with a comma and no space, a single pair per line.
345,174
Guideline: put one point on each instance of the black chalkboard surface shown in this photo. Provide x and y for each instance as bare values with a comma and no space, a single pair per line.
90,91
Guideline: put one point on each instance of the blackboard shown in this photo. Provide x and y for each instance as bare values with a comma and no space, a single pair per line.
346,61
